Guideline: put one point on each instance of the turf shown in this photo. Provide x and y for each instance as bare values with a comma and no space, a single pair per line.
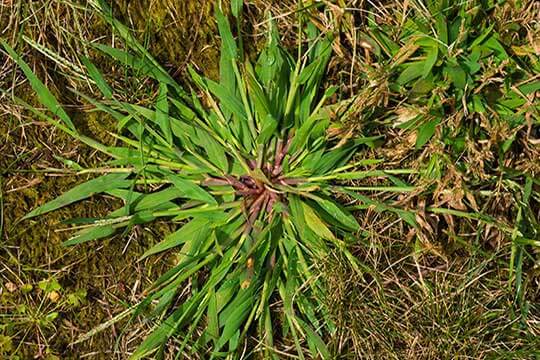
451,87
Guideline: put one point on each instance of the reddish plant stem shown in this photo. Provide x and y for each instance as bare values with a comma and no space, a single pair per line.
291,181
281,151
237,184
272,199
249,181
215,182
254,209
252,164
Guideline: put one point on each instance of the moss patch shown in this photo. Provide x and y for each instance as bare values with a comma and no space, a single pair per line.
97,280
175,32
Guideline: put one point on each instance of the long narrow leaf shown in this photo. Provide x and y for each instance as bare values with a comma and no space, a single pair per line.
83,191
44,94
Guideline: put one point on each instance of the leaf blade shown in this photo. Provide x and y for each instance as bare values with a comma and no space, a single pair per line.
44,94
83,191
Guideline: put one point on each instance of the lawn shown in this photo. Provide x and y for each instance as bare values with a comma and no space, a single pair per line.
269,179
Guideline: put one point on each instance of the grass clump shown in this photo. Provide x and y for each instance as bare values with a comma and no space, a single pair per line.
460,94
453,61
251,174
451,87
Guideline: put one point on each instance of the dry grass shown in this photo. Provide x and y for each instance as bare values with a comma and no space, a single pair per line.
441,291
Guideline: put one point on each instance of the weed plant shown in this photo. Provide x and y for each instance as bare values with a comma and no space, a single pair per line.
249,171
261,177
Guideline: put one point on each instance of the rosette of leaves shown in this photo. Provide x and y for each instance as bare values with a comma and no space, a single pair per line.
250,174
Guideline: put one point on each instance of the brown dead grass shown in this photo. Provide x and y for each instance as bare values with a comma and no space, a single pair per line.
438,292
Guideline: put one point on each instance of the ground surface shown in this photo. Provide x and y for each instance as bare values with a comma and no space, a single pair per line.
442,291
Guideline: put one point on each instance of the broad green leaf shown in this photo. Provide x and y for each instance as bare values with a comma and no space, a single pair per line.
317,345
213,322
154,201
193,231
338,213
268,129
425,132
332,159
477,104
83,191
478,40
236,7
98,78
431,59
412,71
493,43
160,335
213,214
142,65
406,215
43,93
442,28
315,223
93,233
240,296
228,100
473,62
162,113
258,97
305,233
234,322
190,190
457,75
388,45
227,39
530,87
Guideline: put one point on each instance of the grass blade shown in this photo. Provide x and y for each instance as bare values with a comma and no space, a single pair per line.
83,191
191,190
44,94
162,113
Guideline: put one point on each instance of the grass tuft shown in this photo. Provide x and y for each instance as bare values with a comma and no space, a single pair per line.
384,174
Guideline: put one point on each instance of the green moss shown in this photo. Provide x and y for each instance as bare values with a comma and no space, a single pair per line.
107,271
176,32
98,125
